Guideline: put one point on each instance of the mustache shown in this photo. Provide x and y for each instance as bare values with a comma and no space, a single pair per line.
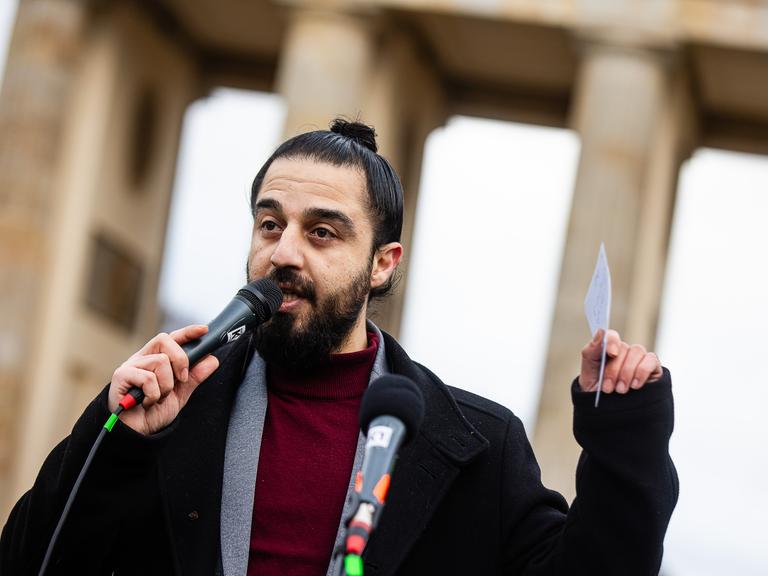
291,281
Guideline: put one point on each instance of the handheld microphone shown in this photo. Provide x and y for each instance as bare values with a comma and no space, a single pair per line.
253,304
391,413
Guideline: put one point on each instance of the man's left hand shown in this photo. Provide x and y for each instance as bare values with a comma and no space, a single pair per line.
626,366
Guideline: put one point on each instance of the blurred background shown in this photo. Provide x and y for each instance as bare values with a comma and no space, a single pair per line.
526,132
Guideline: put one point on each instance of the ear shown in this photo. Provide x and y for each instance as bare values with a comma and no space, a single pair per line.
385,261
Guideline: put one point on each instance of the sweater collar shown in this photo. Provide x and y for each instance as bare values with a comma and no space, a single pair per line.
341,377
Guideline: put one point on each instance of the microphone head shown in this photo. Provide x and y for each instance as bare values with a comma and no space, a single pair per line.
393,395
264,296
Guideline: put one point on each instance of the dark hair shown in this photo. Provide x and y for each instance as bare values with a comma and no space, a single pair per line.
351,144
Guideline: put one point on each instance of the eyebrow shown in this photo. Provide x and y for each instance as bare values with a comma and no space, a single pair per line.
336,216
268,204
339,218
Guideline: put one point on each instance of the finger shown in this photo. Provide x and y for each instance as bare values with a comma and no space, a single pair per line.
647,370
593,351
182,336
613,366
626,376
147,381
591,358
199,373
203,369
160,364
170,344
189,333
613,344
658,372
121,379
178,358
151,347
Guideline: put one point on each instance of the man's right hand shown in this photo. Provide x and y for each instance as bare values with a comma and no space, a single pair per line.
161,370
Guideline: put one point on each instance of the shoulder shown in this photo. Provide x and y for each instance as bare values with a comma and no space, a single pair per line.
495,421
446,405
400,363
469,401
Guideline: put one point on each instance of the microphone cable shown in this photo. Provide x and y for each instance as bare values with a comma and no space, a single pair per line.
133,397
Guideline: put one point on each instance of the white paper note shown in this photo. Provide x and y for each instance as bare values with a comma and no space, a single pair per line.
597,307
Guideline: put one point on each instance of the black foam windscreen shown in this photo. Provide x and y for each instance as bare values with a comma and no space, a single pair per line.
392,395
264,295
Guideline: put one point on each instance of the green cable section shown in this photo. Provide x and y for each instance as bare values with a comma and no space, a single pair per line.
353,565
111,422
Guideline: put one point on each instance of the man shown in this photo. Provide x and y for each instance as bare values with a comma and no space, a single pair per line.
248,472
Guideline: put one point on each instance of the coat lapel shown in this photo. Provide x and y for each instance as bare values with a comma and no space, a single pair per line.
425,470
420,480
191,469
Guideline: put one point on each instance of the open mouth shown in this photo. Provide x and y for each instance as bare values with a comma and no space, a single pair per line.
292,293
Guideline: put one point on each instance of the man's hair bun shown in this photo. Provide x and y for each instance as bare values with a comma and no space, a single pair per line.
361,133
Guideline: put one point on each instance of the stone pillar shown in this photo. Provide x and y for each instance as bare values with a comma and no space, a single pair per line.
630,121
106,201
674,141
325,66
353,64
403,125
38,81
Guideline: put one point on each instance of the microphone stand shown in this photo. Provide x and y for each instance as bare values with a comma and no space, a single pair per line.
347,563
338,562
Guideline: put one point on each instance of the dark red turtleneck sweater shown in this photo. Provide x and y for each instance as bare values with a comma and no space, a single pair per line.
307,452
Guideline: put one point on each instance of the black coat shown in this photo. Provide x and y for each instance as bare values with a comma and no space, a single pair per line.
466,497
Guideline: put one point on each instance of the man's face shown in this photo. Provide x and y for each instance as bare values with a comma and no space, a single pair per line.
312,234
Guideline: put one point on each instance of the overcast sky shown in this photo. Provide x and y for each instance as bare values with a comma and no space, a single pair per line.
7,13
712,327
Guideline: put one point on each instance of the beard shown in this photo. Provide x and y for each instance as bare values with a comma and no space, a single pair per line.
299,345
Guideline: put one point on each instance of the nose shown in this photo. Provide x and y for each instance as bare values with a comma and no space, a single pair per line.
288,251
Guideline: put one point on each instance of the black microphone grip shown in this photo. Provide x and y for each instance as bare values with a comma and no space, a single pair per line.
226,327
253,304
385,436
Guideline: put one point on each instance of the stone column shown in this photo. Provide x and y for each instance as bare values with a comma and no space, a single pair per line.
351,63
630,130
38,79
324,67
403,125
102,230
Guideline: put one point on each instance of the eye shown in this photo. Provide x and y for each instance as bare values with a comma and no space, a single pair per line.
323,233
269,226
